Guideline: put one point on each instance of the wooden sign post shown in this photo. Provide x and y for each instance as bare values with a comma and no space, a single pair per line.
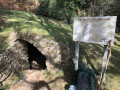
98,30
76,55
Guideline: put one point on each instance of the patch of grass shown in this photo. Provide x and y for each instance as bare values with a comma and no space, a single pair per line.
5,87
23,21
18,76
3,43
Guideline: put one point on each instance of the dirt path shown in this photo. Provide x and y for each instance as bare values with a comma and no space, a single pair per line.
36,80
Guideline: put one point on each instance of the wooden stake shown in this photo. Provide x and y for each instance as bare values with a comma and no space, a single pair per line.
106,64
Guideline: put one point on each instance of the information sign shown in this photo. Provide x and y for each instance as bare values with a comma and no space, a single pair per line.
99,30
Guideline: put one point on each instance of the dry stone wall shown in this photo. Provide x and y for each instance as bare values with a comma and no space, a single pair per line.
13,60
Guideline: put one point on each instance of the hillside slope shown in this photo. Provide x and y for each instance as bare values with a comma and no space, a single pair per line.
90,54
23,21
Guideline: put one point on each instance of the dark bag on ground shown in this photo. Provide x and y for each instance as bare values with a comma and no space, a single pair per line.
86,80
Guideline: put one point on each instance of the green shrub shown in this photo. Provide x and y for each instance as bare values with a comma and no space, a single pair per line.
58,9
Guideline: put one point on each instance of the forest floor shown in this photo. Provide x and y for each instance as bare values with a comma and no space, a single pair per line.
90,54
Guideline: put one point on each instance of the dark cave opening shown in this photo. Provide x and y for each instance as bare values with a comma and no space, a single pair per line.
34,55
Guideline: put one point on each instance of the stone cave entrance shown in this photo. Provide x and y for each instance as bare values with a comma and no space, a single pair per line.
35,58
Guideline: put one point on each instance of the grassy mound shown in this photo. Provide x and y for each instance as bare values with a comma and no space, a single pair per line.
23,21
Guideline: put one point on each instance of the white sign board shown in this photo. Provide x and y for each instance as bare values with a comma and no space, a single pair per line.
97,30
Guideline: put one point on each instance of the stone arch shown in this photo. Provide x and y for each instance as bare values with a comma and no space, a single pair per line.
55,52
34,55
